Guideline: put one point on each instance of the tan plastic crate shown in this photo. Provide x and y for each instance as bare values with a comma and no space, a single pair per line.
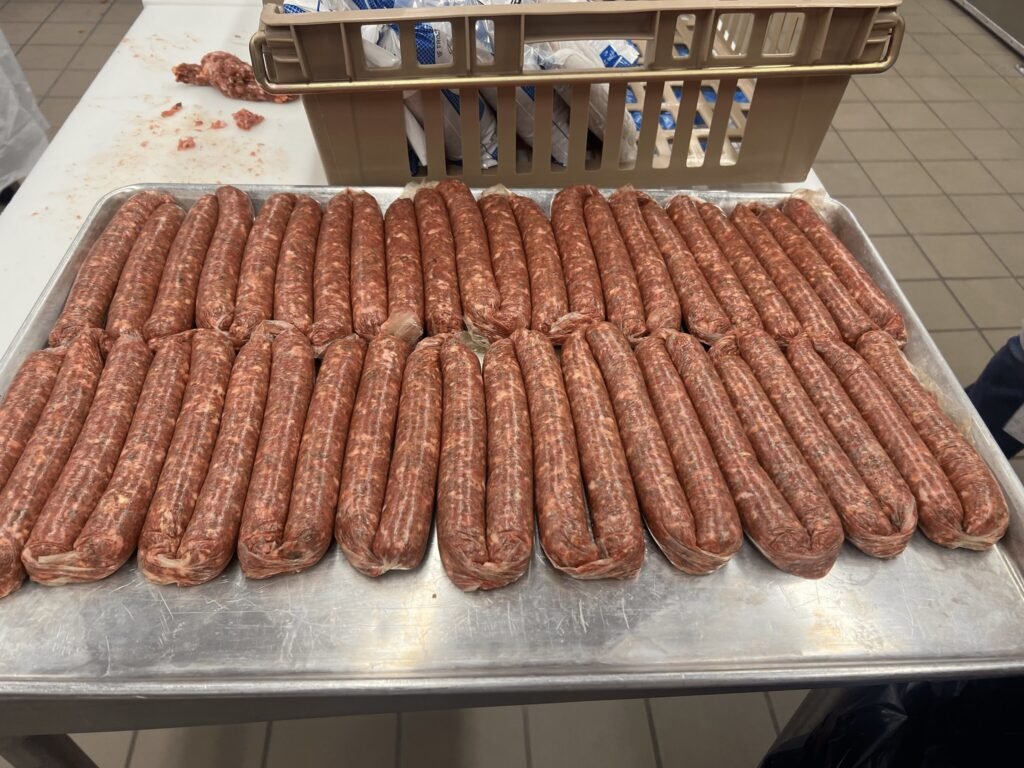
750,85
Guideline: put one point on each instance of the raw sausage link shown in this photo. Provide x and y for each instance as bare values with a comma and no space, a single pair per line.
508,257
174,310
440,276
109,536
810,548
480,297
47,451
188,459
767,518
218,282
368,451
88,470
405,272
97,278
661,305
332,309
701,311
293,288
461,478
611,498
549,302
621,291
938,509
712,262
211,535
140,278
558,490
314,498
808,308
863,448
985,515
266,502
369,273
509,468
717,524
861,514
849,317
776,314
408,512
849,271
661,496
579,265
23,405
258,273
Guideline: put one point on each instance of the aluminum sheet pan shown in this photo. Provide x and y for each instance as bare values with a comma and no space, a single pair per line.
330,631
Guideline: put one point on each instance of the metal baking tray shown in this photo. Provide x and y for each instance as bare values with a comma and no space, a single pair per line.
330,631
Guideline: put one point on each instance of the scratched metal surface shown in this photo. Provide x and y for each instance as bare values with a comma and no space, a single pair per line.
930,612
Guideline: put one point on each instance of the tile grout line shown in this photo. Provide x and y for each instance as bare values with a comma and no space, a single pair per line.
654,734
398,740
131,750
771,713
266,744
526,735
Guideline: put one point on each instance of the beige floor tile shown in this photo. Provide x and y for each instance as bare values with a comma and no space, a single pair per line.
786,704
370,740
73,83
34,11
875,145
962,177
878,88
857,117
964,24
617,735
929,215
991,302
1010,250
900,178
937,89
935,305
19,32
464,738
909,115
832,149
940,45
875,216
934,145
991,144
80,12
961,256
964,114
989,89
217,746
967,353
853,93
56,110
991,214
1009,114
996,337
40,80
1018,467
926,25
910,45
966,64
123,12
108,34
694,731
1004,64
904,257
919,64
1019,199
45,56
1009,173
983,42
55,33
91,57
843,179
107,750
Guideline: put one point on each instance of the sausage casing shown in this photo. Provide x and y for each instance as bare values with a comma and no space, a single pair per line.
218,282
579,265
23,405
369,280
621,291
332,307
293,287
442,302
405,272
508,258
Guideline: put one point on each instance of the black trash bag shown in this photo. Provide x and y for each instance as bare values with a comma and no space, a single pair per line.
969,724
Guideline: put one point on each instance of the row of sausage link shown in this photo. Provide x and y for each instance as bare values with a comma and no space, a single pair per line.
439,260
191,452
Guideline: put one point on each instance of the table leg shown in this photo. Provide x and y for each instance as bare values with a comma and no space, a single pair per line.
49,751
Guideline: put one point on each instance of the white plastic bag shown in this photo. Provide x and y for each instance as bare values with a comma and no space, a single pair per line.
22,126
